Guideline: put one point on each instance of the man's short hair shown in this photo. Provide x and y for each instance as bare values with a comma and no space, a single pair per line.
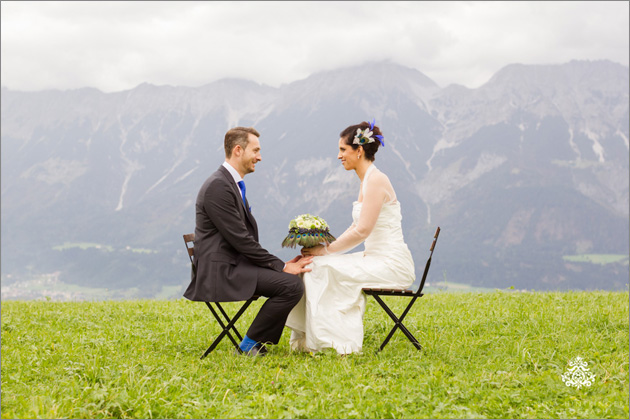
238,136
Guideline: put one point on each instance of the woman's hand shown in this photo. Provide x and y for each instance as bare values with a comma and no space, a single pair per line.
314,251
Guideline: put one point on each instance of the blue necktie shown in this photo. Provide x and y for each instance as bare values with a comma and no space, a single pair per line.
241,185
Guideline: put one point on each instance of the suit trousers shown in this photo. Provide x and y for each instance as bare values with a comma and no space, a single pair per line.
283,291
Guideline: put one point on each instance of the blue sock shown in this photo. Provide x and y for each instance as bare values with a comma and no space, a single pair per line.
247,344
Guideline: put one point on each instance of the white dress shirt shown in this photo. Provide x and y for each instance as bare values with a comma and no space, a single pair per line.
237,177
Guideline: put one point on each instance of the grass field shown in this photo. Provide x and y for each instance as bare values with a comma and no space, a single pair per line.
601,259
82,245
495,355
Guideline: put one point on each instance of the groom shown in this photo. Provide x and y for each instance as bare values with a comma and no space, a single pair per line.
230,264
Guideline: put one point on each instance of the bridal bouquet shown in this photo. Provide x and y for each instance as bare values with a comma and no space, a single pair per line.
307,231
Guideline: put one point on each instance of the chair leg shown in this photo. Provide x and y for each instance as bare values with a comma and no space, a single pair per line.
398,322
226,327
227,318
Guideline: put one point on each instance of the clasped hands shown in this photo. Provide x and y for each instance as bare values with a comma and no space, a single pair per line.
298,265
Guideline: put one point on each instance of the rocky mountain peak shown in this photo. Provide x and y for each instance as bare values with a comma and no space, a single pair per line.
601,75
519,173
372,79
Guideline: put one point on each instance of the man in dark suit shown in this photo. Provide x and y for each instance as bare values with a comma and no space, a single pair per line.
230,263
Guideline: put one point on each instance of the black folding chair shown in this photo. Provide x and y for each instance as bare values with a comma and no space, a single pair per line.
230,323
377,293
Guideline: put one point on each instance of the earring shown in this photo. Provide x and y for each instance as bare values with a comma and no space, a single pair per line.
359,156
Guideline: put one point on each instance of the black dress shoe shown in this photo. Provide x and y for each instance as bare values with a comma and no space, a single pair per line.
258,351
255,351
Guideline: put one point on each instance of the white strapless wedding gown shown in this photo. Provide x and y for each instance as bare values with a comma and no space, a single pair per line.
330,314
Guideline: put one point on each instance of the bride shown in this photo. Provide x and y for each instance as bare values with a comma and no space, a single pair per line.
330,314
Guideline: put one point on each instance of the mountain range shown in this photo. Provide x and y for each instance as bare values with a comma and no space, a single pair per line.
527,175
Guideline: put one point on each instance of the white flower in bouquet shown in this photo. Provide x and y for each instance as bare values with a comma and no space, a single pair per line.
307,230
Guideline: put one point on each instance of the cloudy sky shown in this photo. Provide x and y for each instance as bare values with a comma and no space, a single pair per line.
115,46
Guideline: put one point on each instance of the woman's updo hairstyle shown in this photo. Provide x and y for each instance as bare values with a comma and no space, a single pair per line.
370,149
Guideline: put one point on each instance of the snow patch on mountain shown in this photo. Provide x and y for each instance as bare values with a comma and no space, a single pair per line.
624,137
56,171
309,167
406,163
573,146
441,144
182,154
597,146
130,166
441,183
186,175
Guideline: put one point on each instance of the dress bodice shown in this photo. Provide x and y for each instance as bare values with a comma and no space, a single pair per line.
387,235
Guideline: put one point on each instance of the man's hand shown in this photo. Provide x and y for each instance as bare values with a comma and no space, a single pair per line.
298,265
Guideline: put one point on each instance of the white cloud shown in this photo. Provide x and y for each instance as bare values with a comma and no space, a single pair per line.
118,45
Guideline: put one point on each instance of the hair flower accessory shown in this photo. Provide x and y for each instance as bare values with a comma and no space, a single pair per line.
367,136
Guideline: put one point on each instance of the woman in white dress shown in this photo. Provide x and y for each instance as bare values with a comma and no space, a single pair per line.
330,315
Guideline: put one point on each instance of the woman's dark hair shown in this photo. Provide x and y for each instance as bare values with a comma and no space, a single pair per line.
370,149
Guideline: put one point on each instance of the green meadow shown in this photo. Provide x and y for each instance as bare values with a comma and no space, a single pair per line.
485,355
601,259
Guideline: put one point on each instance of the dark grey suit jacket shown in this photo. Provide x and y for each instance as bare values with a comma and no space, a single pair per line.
228,256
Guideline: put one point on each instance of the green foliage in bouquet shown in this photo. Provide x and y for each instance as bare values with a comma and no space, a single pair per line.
307,231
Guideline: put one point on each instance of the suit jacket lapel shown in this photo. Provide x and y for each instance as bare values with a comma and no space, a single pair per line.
250,216
237,191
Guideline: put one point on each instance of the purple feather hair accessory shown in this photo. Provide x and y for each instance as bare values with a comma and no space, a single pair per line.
378,136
